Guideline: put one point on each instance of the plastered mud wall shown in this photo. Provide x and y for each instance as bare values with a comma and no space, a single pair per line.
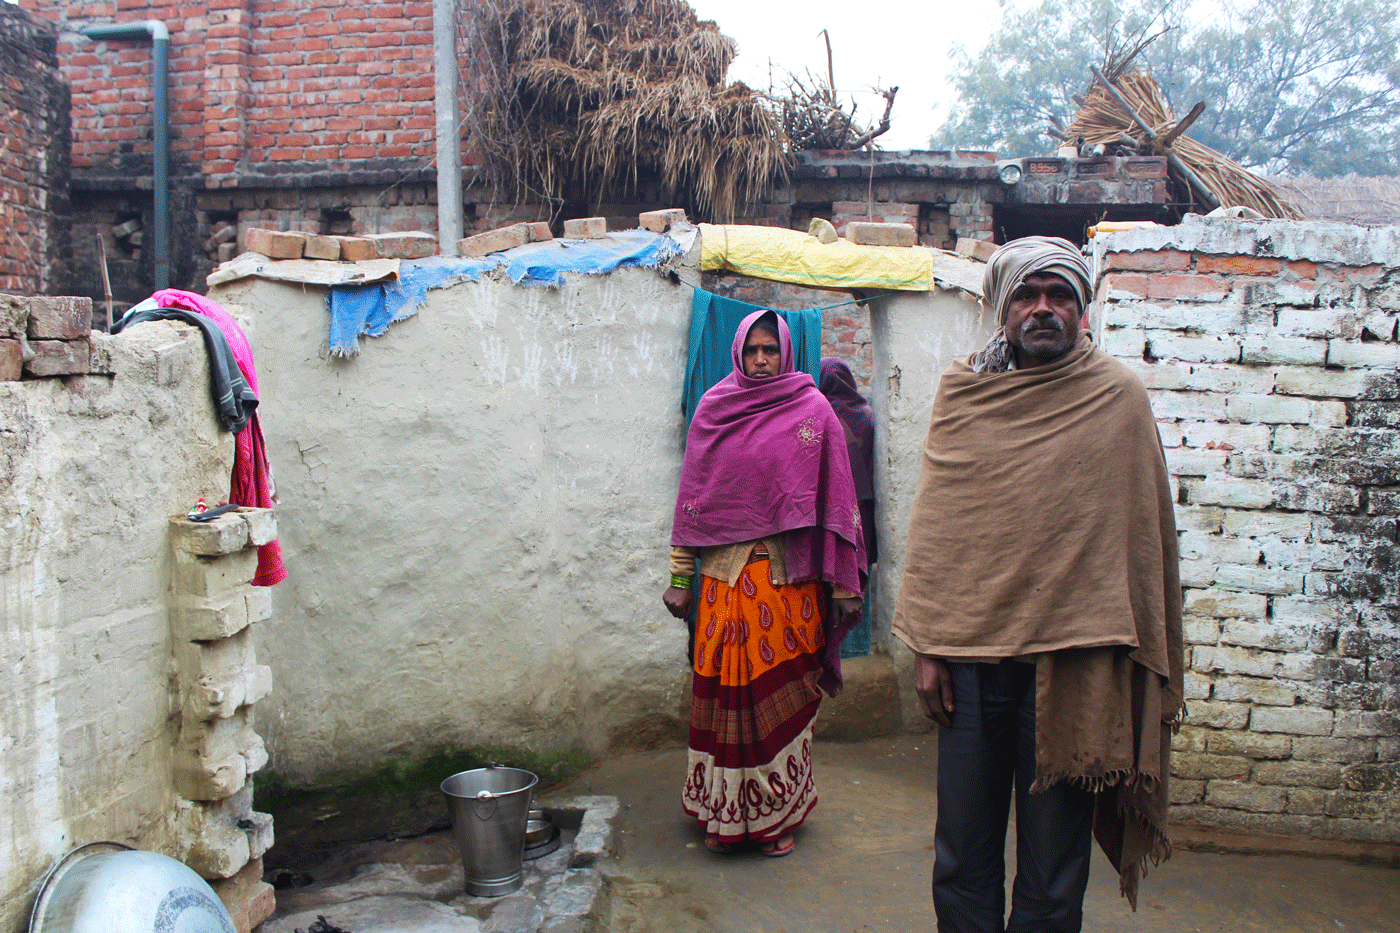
914,337
92,467
476,513
1270,353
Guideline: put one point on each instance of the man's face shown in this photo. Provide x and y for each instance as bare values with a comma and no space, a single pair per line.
761,354
1042,321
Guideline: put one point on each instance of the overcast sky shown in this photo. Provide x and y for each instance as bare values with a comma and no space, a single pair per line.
875,42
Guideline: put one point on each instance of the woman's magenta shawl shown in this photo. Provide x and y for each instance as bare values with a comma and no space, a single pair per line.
767,456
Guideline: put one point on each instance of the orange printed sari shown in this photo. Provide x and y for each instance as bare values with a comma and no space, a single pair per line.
753,702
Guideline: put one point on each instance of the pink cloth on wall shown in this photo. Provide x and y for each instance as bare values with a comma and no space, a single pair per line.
251,482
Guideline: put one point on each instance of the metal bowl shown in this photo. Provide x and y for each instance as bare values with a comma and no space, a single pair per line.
106,887
542,836
538,831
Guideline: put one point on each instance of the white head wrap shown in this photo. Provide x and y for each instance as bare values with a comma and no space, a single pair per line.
1012,263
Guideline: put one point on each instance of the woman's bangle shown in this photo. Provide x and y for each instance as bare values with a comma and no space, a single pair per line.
680,582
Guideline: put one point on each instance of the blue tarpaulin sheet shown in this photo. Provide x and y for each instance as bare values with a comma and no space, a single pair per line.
546,263
370,309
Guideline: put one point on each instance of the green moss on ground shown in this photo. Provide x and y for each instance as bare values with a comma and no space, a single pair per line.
396,798
410,774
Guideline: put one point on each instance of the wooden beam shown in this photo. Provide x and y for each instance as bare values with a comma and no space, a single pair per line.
1180,128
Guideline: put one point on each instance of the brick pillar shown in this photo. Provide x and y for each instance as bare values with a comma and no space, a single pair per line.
218,681
43,337
227,89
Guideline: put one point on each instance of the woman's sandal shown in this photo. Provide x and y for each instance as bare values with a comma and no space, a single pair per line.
776,848
722,848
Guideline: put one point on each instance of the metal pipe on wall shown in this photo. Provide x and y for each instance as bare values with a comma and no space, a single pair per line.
159,36
449,137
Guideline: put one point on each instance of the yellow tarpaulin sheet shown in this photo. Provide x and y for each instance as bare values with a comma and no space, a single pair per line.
783,255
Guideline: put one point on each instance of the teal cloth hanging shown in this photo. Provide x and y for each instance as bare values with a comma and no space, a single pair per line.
713,321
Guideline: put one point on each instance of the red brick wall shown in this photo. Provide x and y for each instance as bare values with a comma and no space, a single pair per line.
255,85
111,82
331,81
34,209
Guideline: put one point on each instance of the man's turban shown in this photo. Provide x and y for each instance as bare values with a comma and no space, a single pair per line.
1012,263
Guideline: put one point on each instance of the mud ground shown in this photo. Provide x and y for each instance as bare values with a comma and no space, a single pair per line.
864,861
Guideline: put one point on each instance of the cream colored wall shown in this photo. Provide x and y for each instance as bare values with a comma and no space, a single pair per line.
91,468
475,512
914,336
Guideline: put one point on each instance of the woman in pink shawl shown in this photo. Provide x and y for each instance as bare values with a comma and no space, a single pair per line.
767,503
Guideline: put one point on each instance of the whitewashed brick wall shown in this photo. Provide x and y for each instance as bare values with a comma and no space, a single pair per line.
1270,352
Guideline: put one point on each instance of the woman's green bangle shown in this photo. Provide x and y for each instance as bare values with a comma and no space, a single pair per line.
680,582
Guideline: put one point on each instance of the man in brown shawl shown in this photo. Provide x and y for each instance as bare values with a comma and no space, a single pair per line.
1041,598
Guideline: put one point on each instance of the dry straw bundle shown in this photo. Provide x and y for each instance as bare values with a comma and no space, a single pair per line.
1352,199
1101,120
583,100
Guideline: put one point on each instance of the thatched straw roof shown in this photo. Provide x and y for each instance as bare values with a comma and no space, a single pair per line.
1353,199
1102,120
578,100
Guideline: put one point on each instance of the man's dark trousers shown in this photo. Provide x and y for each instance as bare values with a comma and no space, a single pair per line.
990,748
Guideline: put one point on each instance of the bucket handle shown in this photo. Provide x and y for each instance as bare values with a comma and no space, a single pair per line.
478,806
486,797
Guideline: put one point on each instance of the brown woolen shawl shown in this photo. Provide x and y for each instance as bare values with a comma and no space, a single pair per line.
1043,525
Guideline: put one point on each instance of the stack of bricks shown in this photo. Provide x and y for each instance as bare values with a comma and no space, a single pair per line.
34,205
503,238
880,212
43,337
1270,353
293,244
218,681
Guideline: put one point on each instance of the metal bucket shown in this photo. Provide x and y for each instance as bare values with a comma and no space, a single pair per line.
490,807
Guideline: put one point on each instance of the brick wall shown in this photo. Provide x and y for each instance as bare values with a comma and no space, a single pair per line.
34,208
253,85
942,207
1271,356
331,82
307,114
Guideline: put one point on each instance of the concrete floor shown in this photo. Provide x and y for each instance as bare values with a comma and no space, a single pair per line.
865,857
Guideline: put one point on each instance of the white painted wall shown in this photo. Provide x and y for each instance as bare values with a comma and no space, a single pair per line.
91,468
475,513
915,336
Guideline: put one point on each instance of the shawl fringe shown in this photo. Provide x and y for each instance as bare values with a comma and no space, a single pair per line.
1125,784
1158,851
1130,779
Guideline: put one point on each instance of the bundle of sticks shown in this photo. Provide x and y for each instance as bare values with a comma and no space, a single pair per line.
1125,111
